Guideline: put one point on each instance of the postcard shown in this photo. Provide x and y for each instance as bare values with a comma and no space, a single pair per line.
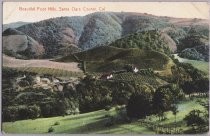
105,68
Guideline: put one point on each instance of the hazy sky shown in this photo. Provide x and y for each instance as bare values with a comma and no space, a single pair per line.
36,11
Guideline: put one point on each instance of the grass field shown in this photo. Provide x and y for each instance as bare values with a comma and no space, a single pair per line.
94,122
201,65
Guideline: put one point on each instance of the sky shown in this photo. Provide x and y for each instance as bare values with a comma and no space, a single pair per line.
36,11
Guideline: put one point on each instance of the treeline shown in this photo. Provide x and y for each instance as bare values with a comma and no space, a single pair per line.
149,40
146,102
190,79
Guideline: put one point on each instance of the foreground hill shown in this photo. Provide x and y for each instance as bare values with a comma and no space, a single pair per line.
108,58
64,35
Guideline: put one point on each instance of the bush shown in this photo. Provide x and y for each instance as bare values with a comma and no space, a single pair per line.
51,129
110,122
107,108
56,123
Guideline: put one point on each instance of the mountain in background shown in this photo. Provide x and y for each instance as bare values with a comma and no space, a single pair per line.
20,45
14,25
65,35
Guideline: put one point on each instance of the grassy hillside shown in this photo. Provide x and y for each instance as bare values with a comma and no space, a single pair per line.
108,58
95,122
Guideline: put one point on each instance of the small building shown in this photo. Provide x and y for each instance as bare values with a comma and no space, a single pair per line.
55,80
135,70
37,79
107,76
45,81
20,78
58,87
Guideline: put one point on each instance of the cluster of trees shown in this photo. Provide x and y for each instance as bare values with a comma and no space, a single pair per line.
191,53
12,113
97,94
198,120
200,52
149,40
148,102
190,79
33,103
192,39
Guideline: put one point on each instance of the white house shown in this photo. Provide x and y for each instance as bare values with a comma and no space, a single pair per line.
135,70
37,79
55,80
106,76
45,81
109,76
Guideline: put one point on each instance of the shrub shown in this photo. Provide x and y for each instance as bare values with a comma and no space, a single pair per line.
56,123
51,129
107,108
107,116
110,122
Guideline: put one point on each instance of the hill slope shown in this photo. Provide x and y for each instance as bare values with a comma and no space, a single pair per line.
65,35
108,58
158,41
17,44
14,25
18,63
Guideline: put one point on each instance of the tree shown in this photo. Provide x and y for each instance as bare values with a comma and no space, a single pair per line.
162,101
195,120
188,87
192,39
175,111
165,98
139,105
202,85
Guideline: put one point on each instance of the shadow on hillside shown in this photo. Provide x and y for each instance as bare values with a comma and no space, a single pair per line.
89,127
80,116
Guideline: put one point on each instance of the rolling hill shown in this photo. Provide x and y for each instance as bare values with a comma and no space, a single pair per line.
64,35
19,45
108,58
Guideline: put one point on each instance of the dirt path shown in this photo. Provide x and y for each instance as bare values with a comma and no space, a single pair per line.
12,62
